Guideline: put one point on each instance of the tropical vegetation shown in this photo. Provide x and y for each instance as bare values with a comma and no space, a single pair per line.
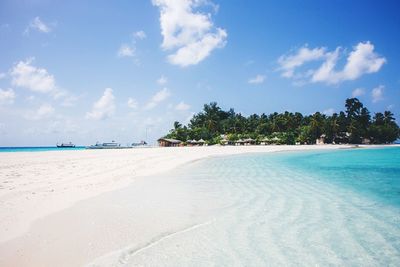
355,125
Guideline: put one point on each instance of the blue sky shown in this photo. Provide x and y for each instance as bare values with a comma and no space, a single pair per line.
87,71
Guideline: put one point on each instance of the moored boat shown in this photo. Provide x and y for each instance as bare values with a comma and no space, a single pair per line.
110,145
66,145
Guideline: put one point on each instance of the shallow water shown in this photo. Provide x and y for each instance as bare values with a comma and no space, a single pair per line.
286,209
39,149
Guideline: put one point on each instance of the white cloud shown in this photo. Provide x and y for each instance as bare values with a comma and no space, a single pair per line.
358,92
104,107
36,79
326,72
38,25
162,80
43,112
69,100
7,96
158,98
126,51
182,106
361,60
61,126
132,103
2,75
328,111
288,63
257,80
190,33
30,98
377,93
25,74
129,50
140,35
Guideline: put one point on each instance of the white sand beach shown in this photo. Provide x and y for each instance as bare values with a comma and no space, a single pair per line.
35,187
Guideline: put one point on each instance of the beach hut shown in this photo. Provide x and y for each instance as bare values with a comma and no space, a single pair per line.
265,141
321,140
249,141
276,140
201,142
366,141
239,142
191,142
224,140
167,142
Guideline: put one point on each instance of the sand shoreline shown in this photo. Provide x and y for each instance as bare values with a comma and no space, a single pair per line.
35,185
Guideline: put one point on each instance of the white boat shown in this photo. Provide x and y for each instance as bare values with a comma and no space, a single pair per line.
111,145
140,144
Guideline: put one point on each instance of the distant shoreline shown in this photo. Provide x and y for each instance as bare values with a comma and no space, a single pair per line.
77,148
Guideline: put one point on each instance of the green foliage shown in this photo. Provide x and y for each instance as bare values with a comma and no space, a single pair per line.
354,125
384,128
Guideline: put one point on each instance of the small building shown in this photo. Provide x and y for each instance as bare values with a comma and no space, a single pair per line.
239,142
265,141
366,141
167,142
321,140
225,141
194,142
249,141
191,142
276,140
201,142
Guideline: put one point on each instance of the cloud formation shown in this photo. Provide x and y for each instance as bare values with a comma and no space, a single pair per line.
126,50
377,93
104,107
257,80
328,111
43,112
288,63
7,96
358,92
159,97
139,35
361,60
36,79
187,31
132,103
129,50
38,25
182,106
162,80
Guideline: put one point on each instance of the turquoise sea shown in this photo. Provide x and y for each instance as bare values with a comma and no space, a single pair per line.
39,149
315,208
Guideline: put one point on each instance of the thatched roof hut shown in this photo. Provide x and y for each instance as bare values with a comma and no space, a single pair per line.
167,142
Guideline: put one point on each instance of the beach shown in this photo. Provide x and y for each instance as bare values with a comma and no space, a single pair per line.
65,200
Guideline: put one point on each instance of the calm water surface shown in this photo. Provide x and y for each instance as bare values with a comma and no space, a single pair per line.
320,208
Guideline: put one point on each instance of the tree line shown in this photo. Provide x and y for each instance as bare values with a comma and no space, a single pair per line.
354,125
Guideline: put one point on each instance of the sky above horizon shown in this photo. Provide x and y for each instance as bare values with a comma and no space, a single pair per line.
87,71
